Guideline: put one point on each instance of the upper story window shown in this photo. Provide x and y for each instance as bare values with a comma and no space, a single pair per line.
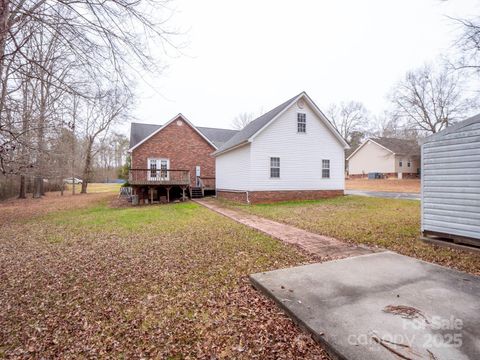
400,163
301,122
326,169
409,163
274,167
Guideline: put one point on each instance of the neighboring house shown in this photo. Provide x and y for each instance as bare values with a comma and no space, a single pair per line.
174,159
389,156
292,152
451,183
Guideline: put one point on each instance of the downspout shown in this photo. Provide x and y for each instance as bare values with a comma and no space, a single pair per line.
248,201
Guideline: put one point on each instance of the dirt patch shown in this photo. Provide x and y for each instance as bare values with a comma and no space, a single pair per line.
392,185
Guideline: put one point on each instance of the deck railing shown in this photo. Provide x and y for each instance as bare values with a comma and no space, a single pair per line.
159,177
207,182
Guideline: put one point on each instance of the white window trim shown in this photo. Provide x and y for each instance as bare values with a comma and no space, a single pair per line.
329,169
302,132
153,178
270,167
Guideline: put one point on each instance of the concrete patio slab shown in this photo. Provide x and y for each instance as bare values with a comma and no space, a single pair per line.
381,306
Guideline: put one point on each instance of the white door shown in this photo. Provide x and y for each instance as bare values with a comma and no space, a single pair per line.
197,174
158,169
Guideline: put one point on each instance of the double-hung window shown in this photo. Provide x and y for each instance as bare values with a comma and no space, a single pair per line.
325,169
274,167
301,123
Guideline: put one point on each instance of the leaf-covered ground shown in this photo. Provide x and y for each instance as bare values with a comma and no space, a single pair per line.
169,281
386,223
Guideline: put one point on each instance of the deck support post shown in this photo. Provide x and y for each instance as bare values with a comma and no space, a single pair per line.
183,193
151,194
168,193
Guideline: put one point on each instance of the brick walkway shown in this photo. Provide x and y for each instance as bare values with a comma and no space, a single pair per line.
322,246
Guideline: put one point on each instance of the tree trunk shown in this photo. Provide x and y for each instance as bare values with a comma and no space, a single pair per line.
87,167
4,24
37,187
23,191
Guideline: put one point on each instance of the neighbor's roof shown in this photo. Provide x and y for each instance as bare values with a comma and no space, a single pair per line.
244,135
394,145
453,128
399,146
140,131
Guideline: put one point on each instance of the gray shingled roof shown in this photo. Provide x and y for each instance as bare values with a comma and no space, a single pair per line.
217,136
399,146
139,131
249,130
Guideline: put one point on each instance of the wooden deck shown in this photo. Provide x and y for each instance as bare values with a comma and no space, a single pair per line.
150,185
159,177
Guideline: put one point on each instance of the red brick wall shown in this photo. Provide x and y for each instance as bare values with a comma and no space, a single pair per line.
182,145
262,197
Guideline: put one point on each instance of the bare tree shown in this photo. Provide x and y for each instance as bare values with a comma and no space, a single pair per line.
428,100
469,45
109,108
242,120
56,55
350,119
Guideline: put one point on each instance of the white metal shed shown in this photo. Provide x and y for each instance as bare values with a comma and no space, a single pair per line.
451,183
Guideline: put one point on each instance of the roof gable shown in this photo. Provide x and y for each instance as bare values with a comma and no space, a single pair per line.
249,132
393,145
140,133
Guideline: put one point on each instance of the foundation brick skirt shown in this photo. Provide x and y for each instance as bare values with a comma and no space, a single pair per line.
262,197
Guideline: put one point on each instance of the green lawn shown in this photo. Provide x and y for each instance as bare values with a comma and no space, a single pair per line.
386,223
165,281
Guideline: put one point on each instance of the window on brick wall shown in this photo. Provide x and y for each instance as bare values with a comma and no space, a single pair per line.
274,167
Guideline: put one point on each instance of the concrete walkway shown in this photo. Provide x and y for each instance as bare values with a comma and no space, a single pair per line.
384,194
324,247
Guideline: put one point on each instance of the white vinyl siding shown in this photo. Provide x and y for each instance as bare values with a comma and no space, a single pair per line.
301,156
451,183
232,169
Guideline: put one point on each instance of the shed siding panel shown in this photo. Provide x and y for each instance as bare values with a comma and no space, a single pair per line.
451,183
300,155
233,169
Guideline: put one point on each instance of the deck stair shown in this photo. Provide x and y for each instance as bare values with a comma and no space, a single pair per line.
196,192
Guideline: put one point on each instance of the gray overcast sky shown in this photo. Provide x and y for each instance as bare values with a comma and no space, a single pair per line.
251,55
